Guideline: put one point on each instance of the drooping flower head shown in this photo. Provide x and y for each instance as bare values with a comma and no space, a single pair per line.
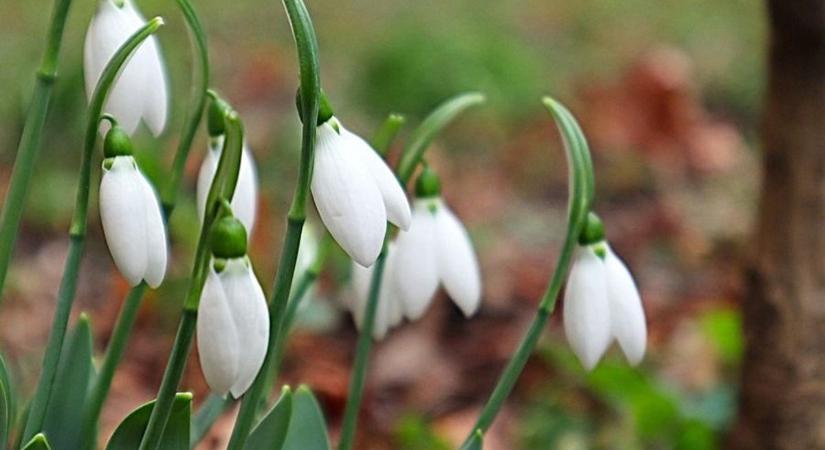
141,91
355,192
602,302
130,214
233,321
436,250
245,200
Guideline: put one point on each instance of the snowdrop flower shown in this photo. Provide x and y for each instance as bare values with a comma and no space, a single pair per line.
141,90
601,302
390,311
245,200
131,215
436,250
355,192
233,321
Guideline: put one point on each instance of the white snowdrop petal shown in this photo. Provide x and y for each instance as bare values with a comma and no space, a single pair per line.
217,338
112,26
586,308
627,315
122,215
156,244
249,313
206,174
347,199
155,90
416,266
457,263
245,200
360,280
387,314
395,200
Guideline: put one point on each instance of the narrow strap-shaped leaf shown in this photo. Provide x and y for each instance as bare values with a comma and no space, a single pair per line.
271,433
6,403
74,373
307,428
476,442
175,436
38,442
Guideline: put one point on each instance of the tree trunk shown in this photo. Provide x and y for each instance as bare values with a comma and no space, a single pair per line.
782,402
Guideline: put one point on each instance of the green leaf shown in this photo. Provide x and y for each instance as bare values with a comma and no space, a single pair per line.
307,429
6,403
38,442
476,443
271,433
128,434
63,419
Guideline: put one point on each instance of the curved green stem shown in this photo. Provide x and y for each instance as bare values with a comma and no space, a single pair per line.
410,158
580,200
200,86
77,233
430,128
29,146
128,313
222,187
310,94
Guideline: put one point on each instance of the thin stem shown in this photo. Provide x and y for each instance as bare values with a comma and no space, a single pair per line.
362,353
206,416
29,146
581,198
410,158
128,313
77,233
114,354
310,93
200,86
382,140
222,187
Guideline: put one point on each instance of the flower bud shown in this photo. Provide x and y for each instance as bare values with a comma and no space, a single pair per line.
325,111
228,238
117,143
428,184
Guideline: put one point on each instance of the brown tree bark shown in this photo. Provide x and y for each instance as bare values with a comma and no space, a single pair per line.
782,402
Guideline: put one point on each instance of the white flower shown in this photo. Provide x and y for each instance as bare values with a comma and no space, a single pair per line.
245,200
602,303
436,249
132,222
233,328
141,90
389,312
355,193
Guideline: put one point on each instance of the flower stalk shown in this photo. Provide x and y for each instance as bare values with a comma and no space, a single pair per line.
29,145
223,187
581,194
309,99
134,298
410,158
77,232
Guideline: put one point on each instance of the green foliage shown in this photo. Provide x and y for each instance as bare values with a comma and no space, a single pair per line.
476,443
723,328
128,434
74,375
271,433
413,432
307,428
38,442
6,403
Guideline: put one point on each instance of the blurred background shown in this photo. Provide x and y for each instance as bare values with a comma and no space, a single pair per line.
668,93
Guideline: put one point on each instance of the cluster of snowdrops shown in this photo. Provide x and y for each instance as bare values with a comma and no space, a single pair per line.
402,249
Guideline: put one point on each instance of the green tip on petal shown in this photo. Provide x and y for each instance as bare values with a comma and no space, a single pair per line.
325,110
593,231
117,143
228,238
428,184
